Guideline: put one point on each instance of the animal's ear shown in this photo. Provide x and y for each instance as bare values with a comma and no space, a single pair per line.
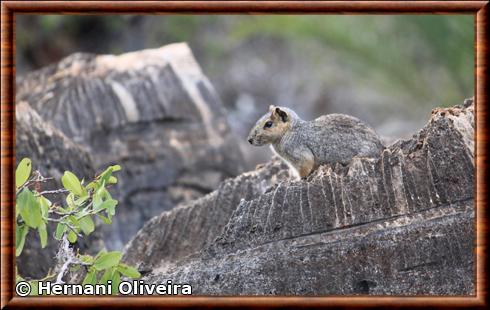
271,108
282,114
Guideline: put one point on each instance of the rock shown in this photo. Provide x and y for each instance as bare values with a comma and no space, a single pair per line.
402,224
154,113
52,153
190,227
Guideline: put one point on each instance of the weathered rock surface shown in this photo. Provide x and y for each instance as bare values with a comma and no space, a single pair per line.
401,224
154,113
52,153
193,226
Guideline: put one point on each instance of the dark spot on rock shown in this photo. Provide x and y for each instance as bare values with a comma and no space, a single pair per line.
216,278
363,286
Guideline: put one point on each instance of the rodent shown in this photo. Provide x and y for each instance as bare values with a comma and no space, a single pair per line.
304,145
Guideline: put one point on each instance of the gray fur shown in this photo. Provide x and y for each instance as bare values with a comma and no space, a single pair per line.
332,138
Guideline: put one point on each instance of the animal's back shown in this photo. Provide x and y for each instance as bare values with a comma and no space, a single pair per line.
339,137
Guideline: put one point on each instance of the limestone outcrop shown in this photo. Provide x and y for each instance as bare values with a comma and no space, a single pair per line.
153,112
402,224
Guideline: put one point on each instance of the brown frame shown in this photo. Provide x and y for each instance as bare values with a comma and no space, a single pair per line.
479,9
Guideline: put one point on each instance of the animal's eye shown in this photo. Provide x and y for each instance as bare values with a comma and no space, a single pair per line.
268,124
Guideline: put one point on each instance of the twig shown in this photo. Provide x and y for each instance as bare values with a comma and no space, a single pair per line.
35,178
73,229
65,253
59,279
49,219
56,191
67,256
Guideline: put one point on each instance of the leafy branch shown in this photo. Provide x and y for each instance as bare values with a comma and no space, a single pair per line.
74,219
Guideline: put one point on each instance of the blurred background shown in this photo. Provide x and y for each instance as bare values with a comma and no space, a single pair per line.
390,71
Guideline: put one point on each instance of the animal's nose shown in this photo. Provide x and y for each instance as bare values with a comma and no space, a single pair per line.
250,140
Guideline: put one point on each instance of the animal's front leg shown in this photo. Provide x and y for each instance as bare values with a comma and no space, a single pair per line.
306,168
303,161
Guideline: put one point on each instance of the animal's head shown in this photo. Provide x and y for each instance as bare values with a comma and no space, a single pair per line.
271,127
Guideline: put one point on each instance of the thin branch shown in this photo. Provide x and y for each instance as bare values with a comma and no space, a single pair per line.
35,178
65,254
59,279
64,223
73,229
56,191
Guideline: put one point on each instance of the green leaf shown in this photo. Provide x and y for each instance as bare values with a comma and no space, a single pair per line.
72,183
75,267
44,204
109,204
21,203
111,208
129,271
20,238
22,172
98,197
70,201
102,191
17,209
107,260
112,180
81,200
116,279
43,234
104,219
87,259
82,213
91,277
34,288
91,185
74,221
72,236
62,210
106,276
60,230
106,175
86,225
29,208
